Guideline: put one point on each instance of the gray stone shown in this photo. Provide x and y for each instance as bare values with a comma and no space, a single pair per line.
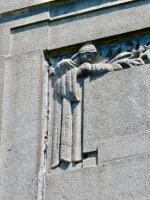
4,39
29,38
21,126
7,6
65,145
116,104
90,161
79,30
28,18
78,7
9,23
78,184
122,147
127,179
100,24
67,114
2,60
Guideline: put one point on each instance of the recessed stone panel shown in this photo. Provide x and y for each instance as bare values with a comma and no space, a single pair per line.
116,104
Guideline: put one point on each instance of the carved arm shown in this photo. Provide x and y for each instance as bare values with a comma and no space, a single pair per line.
99,68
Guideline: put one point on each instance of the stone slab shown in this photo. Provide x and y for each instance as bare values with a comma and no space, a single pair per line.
116,104
71,30
76,7
19,20
4,39
89,162
78,184
2,60
127,179
30,37
123,147
21,129
8,6
99,24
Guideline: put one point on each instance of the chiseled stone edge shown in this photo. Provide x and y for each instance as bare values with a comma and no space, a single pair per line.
48,3
123,147
94,8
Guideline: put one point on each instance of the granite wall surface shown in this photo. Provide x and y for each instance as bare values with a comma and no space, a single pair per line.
115,106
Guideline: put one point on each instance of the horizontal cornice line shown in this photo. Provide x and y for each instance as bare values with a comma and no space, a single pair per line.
35,6
84,11
95,8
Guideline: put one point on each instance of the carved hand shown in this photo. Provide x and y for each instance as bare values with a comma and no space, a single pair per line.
116,66
85,68
51,71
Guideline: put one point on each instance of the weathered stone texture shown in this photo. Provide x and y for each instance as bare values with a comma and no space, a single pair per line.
116,104
7,6
21,128
127,179
99,24
4,39
2,60
71,28
122,147
29,38
13,28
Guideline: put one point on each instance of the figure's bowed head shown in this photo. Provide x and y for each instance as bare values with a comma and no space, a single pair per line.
85,57
87,53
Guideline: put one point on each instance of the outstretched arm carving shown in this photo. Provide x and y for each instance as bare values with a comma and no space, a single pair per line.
84,59
66,139
99,68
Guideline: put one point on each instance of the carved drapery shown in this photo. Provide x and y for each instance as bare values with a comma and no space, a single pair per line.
67,117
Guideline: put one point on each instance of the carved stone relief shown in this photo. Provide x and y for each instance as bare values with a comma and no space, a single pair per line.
67,115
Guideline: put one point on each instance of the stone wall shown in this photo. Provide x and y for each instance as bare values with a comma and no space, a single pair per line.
34,37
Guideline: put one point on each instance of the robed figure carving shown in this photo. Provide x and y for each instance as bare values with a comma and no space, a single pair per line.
66,131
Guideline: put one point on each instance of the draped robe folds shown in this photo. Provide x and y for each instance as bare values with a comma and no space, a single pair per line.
66,139
66,135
